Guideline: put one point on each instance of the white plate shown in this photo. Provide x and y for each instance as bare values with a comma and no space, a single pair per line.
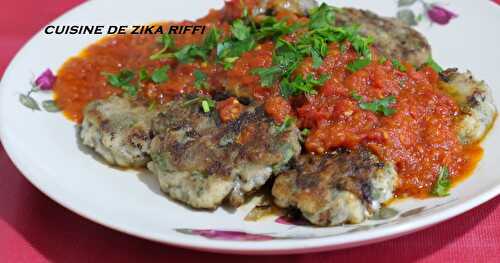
44,146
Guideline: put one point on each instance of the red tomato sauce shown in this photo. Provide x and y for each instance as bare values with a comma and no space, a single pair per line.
418,138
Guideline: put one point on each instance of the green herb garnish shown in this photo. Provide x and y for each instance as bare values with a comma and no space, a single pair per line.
200,79
443,184
268,76
167,42
299,84
381,106
143,75
358,64
188,53
207,105
160,74
122,80
434,65
397,65
211,39
240,31
287,123
356,96
321,17
272,28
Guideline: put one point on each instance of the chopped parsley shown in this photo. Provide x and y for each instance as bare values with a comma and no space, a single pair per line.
230,50
312,42
160,75
287,57
356,96
434,65
122,80
397,65
305,132
268,76
272,28
188,53
240,31
381,106
143,75
241,41
358,64
200,79
287,123
168,42
443,184
211,40
207,105
321,17
382,60
299,84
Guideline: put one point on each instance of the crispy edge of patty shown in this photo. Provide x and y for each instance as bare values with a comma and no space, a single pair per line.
118,129
230,171
478,110
336,188
393,38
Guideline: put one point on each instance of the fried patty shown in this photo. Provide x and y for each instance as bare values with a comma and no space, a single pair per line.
393,38
202,161
299,7
336,188
478,111
119,130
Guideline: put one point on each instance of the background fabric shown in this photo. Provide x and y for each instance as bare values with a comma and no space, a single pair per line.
35,229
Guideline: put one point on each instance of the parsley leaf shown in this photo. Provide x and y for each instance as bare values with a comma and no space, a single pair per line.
268,75
240,30
358,64
443,184
272,28
397,65
381,106
287,57
359,43
122,80
207,105
230,50
356,96
200,79
287,123
317,59
299,84
321,16
167,42
160,74
189,53
211,40
434,65
143,75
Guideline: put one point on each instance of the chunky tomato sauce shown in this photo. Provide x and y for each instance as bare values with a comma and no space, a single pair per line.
419,137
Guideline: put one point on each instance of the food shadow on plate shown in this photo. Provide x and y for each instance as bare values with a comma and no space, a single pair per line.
87,150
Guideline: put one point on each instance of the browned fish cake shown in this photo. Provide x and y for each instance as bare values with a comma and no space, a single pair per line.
200,161
336,188
393,38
